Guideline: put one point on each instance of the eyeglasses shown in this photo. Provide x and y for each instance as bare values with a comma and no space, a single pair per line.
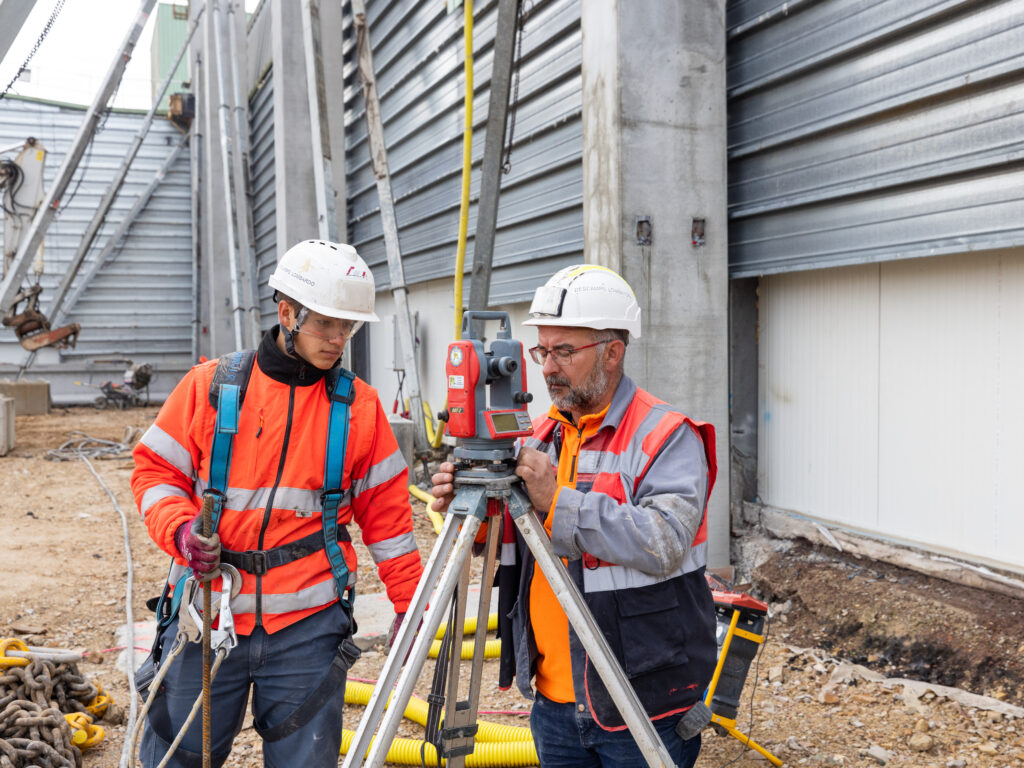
329,329
563,355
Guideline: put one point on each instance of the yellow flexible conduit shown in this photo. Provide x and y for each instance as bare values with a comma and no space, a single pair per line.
497,745
467,163
434,437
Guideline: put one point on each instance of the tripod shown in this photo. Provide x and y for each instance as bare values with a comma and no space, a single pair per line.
484,488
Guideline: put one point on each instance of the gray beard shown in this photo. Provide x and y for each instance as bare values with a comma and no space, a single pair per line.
582,397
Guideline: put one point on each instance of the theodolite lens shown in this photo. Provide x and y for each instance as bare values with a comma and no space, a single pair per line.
502,366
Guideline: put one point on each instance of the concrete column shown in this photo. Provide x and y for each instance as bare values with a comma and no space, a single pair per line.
653,162
334,81
216,330
743,362
293,160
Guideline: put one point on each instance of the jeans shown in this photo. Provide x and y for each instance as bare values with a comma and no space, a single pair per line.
566,738
282,669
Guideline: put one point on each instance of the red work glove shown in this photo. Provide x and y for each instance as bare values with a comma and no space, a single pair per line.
202,552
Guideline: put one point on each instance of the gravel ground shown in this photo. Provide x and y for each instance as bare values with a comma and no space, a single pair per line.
828,688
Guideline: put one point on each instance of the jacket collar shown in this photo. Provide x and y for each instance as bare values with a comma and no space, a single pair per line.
280,367
624,394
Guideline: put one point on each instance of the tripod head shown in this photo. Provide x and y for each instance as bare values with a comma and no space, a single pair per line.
487,394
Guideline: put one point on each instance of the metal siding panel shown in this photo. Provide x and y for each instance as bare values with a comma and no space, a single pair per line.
869,131
818,394
261,181
127,311
418,58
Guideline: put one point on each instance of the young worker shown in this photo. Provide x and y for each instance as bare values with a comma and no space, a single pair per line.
621,480
294,633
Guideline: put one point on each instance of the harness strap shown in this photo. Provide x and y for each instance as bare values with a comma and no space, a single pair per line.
227,389
259,561
348,653
341,394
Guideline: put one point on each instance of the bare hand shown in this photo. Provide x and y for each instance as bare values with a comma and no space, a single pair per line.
444,487
538,474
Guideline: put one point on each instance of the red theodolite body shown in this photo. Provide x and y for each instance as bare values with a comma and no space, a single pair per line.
487,394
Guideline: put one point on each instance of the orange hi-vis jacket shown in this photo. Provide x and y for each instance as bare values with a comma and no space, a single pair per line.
275,483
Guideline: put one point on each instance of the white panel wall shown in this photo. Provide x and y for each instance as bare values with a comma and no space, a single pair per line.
818,393
890,400
434,302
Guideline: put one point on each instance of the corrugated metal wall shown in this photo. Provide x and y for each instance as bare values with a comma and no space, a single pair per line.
868,131
139,306
418,56
890,400
261,179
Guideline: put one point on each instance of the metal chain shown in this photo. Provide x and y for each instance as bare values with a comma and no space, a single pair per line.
33,701
42,36
521,18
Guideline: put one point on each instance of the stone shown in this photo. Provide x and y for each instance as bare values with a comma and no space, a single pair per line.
776,674
921,742
988,748
23,628
879,754
828,695
921,726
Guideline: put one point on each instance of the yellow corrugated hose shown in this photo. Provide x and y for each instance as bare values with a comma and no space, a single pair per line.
485,755
497,745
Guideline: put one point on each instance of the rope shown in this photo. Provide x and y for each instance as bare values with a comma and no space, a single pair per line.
80,445
83,446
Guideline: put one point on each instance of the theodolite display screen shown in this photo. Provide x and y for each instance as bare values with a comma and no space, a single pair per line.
505,422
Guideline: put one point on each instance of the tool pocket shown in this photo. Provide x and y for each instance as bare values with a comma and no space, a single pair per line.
649,630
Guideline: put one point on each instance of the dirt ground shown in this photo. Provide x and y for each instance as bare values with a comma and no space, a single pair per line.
823,692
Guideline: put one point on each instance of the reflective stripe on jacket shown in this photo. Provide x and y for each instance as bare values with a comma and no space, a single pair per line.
635,532
275,482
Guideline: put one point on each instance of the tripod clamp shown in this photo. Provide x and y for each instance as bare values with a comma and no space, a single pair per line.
480,482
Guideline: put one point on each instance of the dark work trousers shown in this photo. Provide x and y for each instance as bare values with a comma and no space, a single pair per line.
283,669
567,738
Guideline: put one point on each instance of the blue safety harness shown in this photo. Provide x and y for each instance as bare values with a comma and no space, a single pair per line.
227,392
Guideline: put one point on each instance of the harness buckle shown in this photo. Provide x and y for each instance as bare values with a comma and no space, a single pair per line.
258,560
326,495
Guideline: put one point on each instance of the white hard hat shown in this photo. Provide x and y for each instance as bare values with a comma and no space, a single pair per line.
586,296
328,278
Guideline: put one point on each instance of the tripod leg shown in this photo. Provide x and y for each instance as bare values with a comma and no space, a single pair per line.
461,553
403,642
615,680
460,714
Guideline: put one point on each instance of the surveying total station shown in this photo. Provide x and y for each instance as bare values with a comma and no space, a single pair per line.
487,432
486,487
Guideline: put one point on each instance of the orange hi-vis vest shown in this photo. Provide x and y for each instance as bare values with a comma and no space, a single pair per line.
633,528
275,484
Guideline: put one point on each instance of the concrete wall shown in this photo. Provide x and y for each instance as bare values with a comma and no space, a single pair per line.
654,150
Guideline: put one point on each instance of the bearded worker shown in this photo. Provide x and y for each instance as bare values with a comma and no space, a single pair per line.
621,480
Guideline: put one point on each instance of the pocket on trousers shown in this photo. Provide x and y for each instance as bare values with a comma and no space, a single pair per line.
650,628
